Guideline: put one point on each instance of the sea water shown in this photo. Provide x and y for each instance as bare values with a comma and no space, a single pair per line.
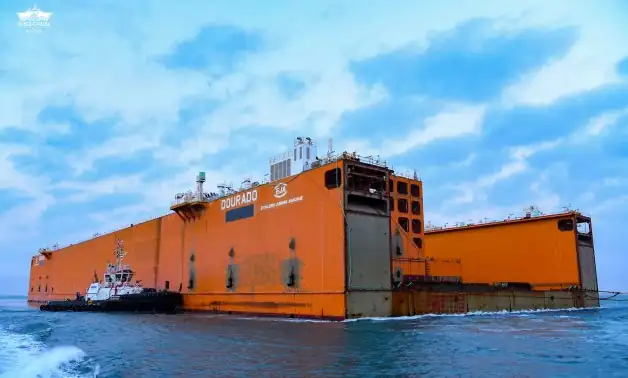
571,343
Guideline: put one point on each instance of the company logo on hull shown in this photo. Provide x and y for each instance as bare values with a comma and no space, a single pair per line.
281,190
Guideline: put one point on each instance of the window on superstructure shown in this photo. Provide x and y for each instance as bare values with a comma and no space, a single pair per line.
300,152
414,190
391,185
418,242
295,154
565,225
402,205
167,285
32,288
402,187
416,207
583,227
333,178
403,222
416,226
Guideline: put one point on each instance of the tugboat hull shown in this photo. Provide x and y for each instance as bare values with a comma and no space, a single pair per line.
150,302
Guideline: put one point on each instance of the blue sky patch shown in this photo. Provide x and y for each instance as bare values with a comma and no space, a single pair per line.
498,110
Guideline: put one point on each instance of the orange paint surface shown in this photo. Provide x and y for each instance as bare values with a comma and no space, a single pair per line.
307,217
532,250
444,267
406,216
72,269
406,225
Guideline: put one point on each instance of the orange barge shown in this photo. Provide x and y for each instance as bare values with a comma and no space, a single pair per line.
334,237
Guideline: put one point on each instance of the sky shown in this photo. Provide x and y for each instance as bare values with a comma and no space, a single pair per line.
115,107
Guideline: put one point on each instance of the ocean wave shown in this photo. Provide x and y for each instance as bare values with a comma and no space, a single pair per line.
14,305
23,356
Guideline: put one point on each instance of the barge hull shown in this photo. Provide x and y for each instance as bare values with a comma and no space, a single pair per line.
461,299
453,299
339,240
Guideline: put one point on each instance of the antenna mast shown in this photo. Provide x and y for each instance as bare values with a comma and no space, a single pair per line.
119,252
330,148
200,179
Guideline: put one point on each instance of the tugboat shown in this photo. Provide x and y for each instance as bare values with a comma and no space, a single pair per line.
118,293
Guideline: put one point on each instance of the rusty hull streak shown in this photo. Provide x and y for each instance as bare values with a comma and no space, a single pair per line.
259,304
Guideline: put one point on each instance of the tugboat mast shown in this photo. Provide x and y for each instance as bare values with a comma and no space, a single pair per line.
119,253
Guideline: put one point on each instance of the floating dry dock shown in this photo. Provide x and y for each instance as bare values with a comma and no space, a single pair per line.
336,237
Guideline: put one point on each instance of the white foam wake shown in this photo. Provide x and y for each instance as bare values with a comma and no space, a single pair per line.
474,313
21,356
414,317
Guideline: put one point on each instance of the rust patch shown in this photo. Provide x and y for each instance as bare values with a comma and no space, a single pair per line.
258,304
269,314
260,270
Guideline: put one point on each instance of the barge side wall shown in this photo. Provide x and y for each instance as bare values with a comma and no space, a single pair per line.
304,235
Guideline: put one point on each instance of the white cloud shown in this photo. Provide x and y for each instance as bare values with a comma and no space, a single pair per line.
617,204
10,177
157,196
21,221
466,162
590,64
599,124
517,164
453,121
121,145
18,218
477,212
615,181
85,191
118,76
